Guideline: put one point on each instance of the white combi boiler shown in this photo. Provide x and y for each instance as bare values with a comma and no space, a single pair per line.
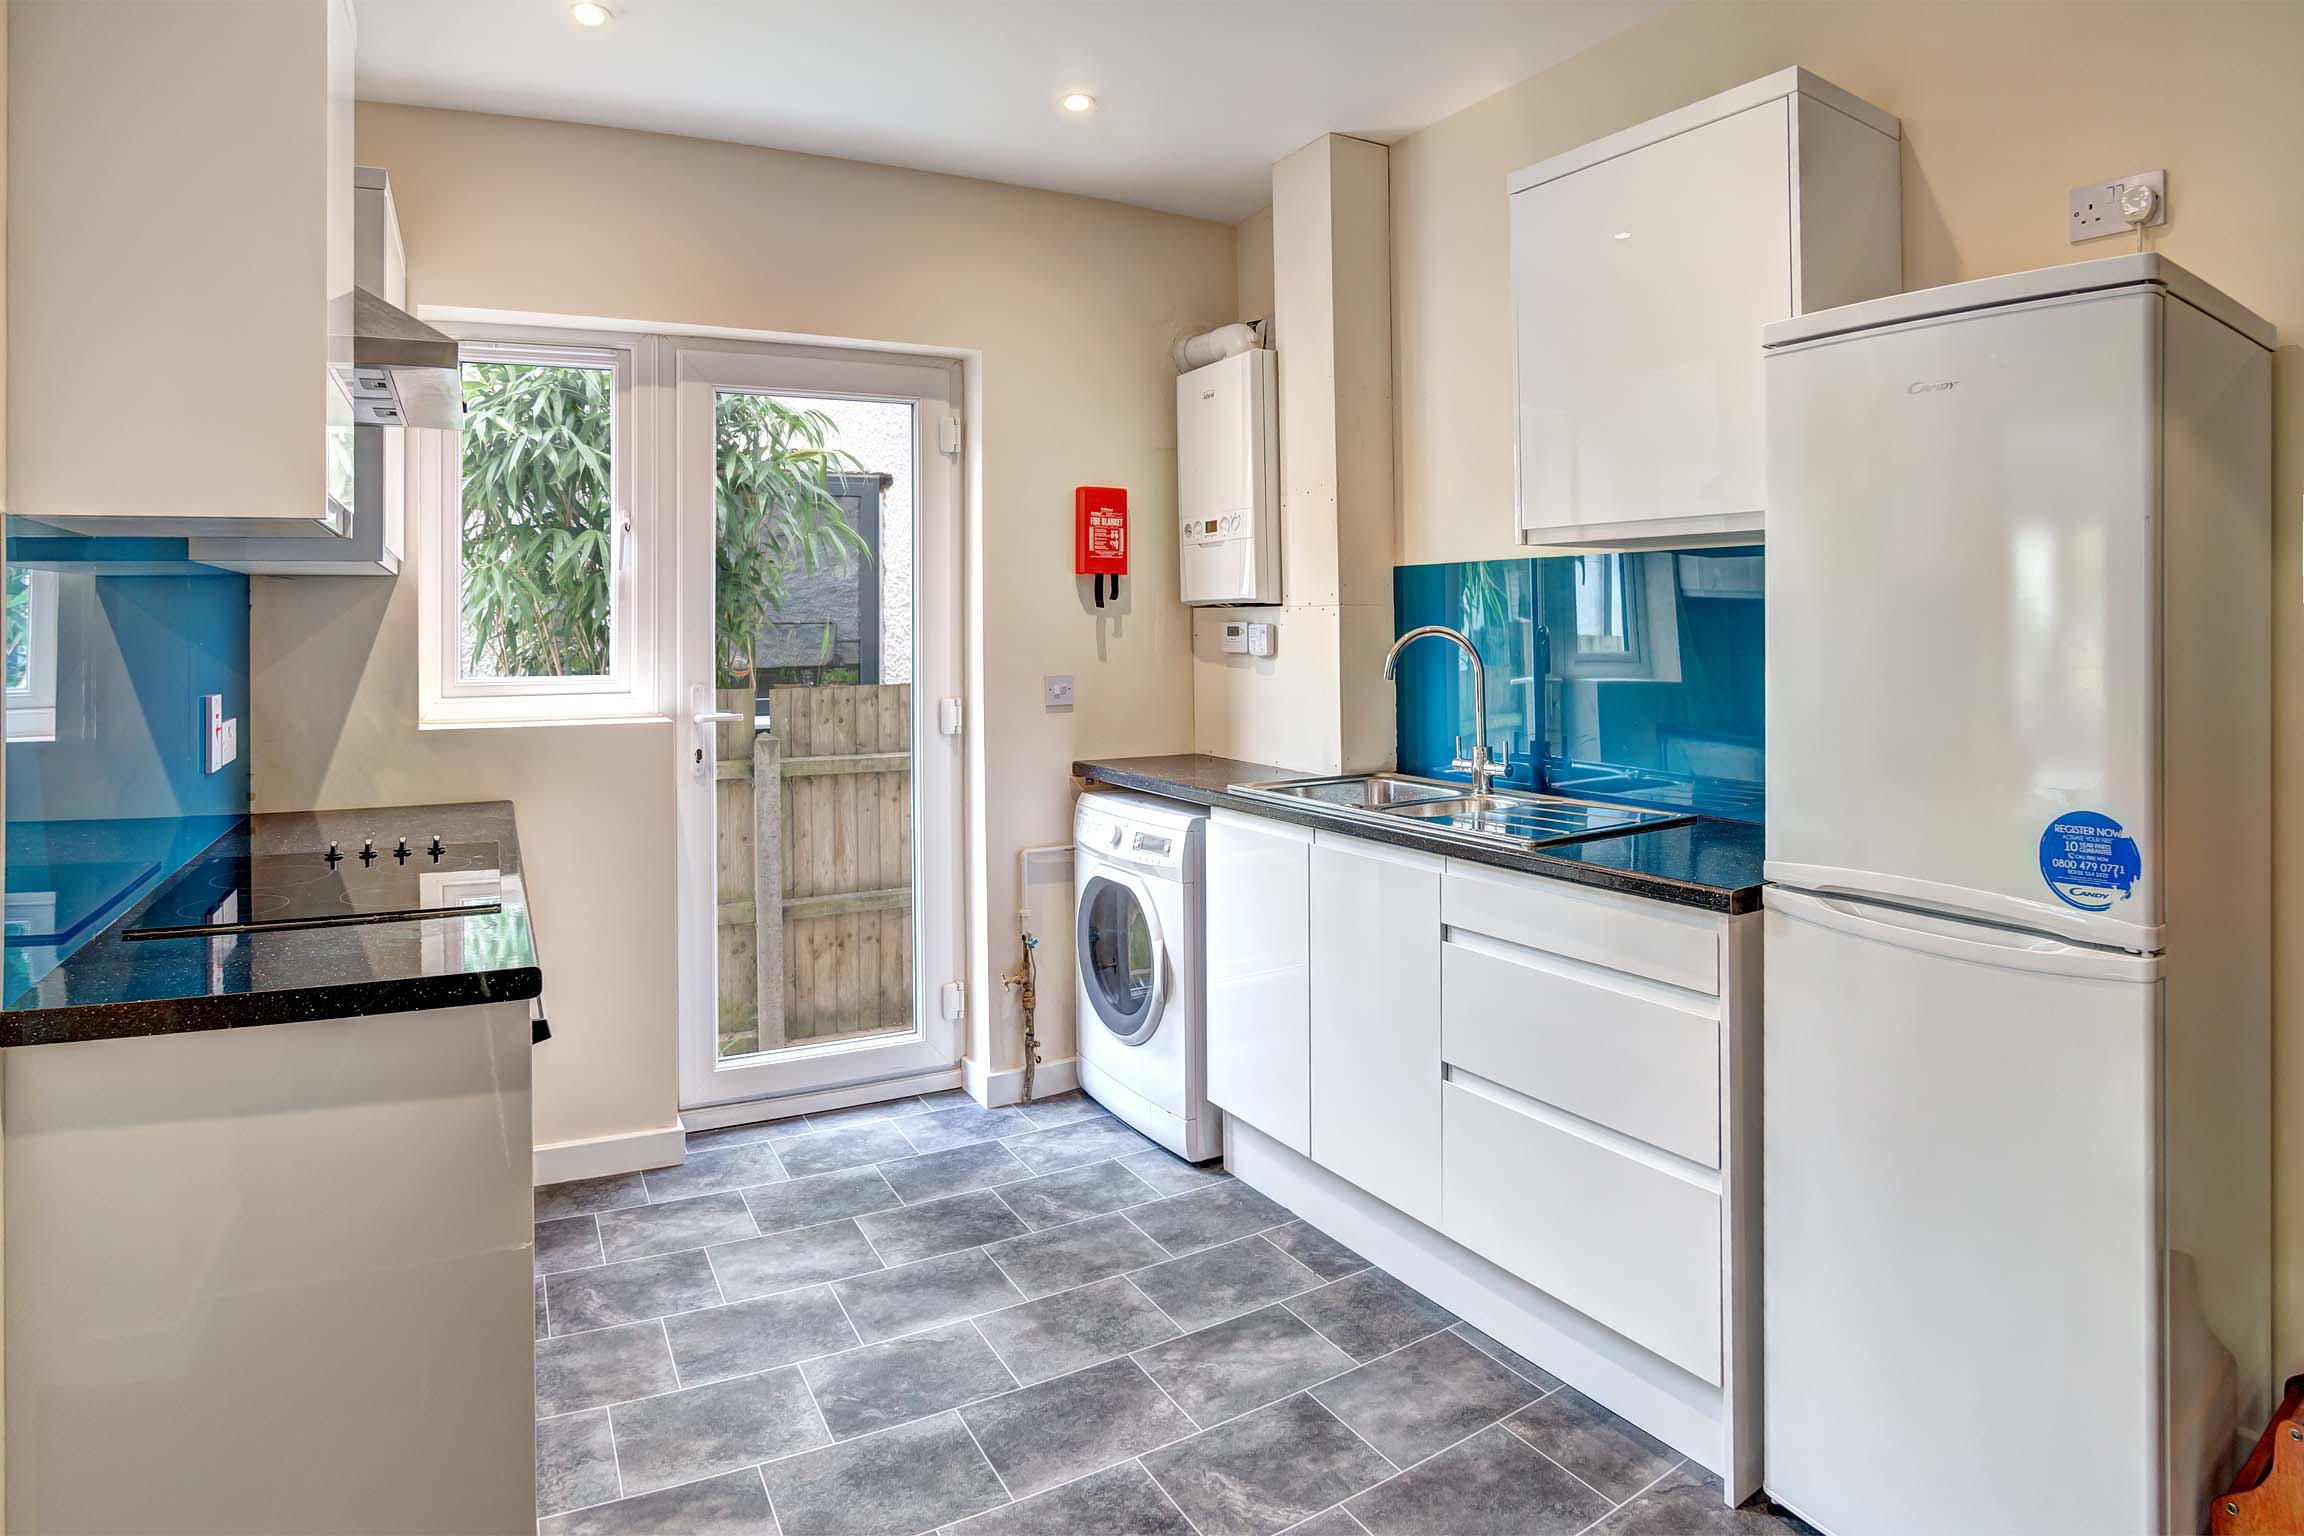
2017,1115
1136,880
1228,481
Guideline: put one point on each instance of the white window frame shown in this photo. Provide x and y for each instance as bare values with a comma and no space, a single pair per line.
632,688
32,705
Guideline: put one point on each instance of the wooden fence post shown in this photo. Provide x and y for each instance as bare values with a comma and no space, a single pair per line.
768,907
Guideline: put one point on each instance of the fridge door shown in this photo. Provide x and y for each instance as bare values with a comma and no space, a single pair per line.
1962,615
1961,1226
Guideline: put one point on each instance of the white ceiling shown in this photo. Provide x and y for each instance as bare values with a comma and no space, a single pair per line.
1195,98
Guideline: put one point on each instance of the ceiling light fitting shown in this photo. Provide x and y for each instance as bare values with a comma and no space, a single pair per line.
1079,101
589,14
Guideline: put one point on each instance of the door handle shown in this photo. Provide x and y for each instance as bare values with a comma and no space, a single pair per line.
706,719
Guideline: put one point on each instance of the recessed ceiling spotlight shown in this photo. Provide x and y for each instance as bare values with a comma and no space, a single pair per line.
1079,101
1623,234
589,14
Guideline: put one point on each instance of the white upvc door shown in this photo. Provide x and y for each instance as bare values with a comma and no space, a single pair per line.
848,967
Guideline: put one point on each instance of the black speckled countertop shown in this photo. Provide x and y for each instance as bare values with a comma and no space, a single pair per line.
1706,863
113,988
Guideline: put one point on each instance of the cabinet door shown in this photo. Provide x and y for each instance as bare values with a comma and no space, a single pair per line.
1259,1007
1639,287
1376,1020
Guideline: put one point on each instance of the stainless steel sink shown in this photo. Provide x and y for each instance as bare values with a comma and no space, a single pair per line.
1451,811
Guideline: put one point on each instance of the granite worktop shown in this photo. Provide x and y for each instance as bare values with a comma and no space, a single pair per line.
1708,863
114,988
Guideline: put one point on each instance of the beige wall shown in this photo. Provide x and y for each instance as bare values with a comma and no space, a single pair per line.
1073,304
2004,106
1255,264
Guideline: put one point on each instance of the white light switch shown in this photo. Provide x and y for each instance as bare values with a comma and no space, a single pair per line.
1056,692
222,734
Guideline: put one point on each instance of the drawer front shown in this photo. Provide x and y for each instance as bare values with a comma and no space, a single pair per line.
1629,1245
1623,933
1618,1053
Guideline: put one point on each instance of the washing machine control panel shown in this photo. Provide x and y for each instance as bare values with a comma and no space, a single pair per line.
1147,847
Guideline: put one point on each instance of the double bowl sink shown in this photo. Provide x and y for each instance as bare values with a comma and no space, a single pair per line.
1500,818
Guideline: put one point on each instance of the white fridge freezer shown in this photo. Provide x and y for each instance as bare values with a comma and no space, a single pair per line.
2017,1030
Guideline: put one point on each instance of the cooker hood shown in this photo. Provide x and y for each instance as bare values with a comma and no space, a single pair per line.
403,372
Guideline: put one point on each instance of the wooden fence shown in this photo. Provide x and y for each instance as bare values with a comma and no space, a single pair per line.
817,810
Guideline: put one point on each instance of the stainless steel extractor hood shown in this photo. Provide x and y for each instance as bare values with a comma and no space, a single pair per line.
403,372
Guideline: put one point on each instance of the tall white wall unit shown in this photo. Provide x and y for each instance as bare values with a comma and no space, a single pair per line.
1533,1101
1644,265
180,265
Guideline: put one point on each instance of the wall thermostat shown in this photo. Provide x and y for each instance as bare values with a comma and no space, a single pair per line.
1236,637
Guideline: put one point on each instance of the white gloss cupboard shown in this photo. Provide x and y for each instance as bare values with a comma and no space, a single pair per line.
1259,896
1644,265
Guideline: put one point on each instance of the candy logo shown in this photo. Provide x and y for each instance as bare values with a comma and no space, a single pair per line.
2088,861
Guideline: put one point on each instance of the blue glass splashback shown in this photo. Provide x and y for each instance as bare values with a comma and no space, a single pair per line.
1626,677
107,789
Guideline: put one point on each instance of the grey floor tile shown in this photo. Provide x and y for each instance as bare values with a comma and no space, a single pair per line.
731,1505
900,1481
1083,1141
1222,1372
910,1297
848,1146
1202,1218
1224,1281
575,1462
541,1326
1424,1398
762,1266
571,1242
1611,1453
1265,1472
1316,1250
864,1114
1064,1332
946,1098
1056,1198
1062,1109
1170,1174
1063,1257
642,1230
820,1197
629,1292
753,1162
741,1135
1118,1501
941,1226
608,1365
1370,1313
905,1379
748,1336
584,1197
1332,1522
683,1436
935,1175
1687,1503
961,1127
1491,1485
1061,1429
1512,1359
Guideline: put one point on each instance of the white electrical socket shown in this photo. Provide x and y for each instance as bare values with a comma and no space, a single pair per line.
222,735
2095,208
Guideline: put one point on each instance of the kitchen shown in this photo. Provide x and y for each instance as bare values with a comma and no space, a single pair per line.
1398,266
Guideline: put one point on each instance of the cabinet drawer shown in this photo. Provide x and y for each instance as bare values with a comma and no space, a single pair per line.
1623,1055
1628,1244
1623,933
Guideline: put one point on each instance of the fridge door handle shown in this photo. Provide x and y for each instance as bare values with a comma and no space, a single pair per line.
1982,943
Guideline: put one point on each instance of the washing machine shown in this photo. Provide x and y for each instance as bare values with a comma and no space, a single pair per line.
1137,943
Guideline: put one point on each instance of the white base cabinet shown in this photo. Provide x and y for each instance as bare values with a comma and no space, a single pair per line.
1558,1082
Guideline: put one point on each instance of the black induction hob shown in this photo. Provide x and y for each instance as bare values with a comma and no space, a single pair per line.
267,892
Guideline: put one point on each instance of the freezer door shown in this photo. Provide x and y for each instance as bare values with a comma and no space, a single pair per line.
1960,1213
1962,615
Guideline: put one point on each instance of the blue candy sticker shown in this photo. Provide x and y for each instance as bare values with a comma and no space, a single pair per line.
2088,861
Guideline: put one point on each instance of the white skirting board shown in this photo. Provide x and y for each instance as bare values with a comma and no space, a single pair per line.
1664,1400
600,1156
994,1089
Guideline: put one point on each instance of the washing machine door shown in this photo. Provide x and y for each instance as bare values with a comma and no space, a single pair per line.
1123,965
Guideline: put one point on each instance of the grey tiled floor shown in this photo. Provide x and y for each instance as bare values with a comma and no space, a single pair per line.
922,1317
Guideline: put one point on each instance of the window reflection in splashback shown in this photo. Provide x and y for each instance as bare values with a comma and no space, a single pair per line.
107,785
1633,677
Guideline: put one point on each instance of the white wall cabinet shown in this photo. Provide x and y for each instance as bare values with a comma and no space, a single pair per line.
1643,267
1259,974
180,266
1376,1020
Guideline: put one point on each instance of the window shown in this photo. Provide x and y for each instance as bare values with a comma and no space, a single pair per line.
31,664
536,604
